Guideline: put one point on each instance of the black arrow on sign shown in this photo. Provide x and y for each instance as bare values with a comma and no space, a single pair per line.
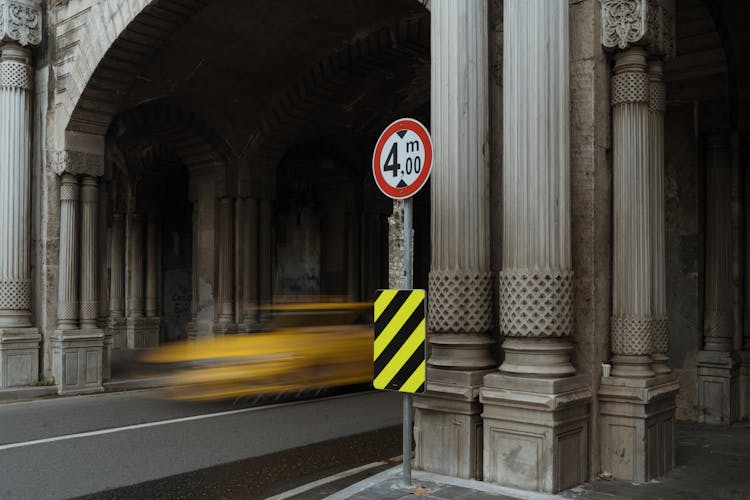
401,133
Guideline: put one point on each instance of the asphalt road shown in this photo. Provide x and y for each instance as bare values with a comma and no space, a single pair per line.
75,446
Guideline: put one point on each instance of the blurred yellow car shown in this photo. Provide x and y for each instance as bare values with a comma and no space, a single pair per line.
289,358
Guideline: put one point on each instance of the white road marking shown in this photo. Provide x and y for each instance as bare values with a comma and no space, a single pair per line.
320,482
112,430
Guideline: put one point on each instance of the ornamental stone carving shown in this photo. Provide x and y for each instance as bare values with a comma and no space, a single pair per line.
639,22
20,21
661,334
630,87
15,75
632,335
76,163
460,301
623,22
536,303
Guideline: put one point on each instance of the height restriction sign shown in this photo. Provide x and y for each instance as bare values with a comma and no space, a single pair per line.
402,159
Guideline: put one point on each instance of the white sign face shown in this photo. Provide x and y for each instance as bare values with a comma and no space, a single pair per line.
402,158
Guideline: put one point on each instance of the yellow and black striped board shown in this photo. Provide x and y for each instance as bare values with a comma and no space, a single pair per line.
400,350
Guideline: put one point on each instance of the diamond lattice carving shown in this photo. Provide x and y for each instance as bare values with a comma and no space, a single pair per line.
15,294
630,87
460,302
632,335
15,75
661,335
536,303
718,324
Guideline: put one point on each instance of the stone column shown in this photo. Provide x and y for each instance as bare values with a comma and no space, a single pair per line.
192,326
226,266
632,323
717,363
637,405
657,104
67,287
744,380
140,331
152,257
117,323
88,302
250,263
447,420
265,257
535,393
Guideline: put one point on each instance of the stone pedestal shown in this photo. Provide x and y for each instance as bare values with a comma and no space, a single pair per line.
118,328
77,360
108,343
448,424
718,387
637,426
535,431
19,356
744,387
142,333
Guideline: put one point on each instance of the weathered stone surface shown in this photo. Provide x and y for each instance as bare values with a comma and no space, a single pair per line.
77,361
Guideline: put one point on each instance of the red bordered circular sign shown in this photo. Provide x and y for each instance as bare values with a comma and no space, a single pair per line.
402,159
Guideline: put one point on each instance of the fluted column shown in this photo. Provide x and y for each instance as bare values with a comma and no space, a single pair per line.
88,302
226,260
657,103
117,280
460,282
746,256
152,258
265,258
631,323
718,316
135,288
104,257
15,184
536,283
250,262
67,298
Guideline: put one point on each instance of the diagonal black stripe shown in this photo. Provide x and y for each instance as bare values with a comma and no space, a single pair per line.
409,367
390,311
420,390
401,337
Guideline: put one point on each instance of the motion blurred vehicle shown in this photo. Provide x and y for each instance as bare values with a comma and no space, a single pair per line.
308,346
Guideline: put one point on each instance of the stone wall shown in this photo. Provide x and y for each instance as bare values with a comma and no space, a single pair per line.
685,251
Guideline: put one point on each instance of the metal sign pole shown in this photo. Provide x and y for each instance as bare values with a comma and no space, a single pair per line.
407,397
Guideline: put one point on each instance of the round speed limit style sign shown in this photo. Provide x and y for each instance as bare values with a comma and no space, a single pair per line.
402,159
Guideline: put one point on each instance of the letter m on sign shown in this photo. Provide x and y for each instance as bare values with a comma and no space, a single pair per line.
399,350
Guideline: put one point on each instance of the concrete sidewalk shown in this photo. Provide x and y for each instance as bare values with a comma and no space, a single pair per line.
713,462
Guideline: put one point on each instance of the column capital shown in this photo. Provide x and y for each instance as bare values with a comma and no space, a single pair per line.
648,23
76,162
21,22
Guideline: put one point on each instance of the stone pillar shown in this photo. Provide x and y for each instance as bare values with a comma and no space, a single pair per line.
192,326
250,264
660,322
265,257
103,241
117,322
717,363
67,287
448,425
631,323
140,333
88,303
535,412
77,346
225,273
152,263
19,340
636,404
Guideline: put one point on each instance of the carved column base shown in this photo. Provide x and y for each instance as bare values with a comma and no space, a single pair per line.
19,356
744,382
632,366
448,424
535,431
718,387
547,357
77,360
637,426
118,328
461,351
659,364
143,333
107,348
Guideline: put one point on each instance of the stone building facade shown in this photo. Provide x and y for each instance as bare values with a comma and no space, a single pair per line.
168,166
